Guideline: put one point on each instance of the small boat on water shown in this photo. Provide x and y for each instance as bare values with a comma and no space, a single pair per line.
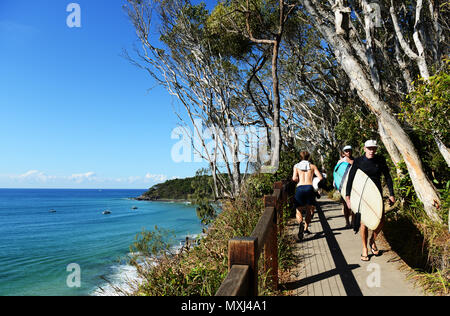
52,211
134,208
106,212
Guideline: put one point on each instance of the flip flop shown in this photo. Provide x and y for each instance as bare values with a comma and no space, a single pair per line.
365,258
376,252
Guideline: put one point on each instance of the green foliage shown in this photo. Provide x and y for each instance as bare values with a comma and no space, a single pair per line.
152,243
427,107
202,195
205,211
181,189
260,184
404,188
427,111
445,201
287,161
223,42
355,127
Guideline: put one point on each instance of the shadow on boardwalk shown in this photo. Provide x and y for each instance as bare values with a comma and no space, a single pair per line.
329,261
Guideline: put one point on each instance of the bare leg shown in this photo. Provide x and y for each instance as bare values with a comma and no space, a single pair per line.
364,234
375,233
309,215
299,215
346,211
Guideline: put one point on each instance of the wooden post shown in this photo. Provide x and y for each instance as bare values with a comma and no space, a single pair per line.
278,185
269,201
242,251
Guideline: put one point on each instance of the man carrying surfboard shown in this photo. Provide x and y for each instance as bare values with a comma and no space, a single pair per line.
305,195
369,201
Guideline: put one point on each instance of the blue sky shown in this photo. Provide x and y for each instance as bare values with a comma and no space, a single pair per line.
73,112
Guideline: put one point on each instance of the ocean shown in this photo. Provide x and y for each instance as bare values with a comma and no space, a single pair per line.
58,242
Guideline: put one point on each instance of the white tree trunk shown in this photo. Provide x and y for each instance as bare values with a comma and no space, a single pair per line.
420,56
391,148
443,150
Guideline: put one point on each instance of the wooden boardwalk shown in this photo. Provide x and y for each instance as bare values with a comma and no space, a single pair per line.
329,261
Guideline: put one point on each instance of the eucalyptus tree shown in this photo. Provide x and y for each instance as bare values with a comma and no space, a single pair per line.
374,51
263,23
189,64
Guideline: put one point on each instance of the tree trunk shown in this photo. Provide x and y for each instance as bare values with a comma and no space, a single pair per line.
214,176
276,145
391,148
420,56
350,64
443,150
236,165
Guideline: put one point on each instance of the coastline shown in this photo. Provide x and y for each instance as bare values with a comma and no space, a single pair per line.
143,198
78,233
164,200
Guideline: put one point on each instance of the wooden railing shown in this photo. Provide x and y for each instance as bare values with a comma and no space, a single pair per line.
244,252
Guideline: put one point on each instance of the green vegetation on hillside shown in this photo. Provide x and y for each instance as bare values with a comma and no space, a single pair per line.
179,189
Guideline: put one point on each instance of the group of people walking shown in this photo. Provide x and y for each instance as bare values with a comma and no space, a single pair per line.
305,196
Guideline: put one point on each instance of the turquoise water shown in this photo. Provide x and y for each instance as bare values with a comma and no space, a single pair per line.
36,246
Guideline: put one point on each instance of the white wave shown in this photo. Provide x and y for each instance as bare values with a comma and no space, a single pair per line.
125,278
119,282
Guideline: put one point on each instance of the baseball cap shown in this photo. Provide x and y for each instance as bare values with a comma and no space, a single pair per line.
348,147
371,143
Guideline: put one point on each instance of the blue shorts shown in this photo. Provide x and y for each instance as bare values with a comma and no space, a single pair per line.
304,195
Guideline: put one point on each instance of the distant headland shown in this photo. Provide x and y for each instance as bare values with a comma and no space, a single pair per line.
176,190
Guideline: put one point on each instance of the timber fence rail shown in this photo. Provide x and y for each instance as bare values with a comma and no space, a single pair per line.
244,252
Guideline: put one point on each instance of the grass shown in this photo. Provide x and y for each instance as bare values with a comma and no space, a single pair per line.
424,246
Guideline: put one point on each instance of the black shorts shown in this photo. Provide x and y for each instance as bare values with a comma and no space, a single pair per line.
305,195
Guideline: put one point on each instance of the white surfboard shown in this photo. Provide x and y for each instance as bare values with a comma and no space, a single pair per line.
366,198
